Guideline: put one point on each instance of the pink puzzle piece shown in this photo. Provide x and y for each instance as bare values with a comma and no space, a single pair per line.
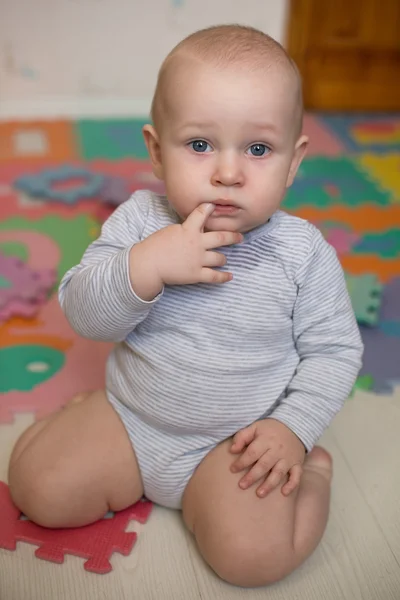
43,251
341,239
23,281
95,542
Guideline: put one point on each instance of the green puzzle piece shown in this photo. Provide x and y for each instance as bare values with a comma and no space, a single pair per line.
335,167
365,293
72,236
24,367
364,382
324,182
4,283
14,249
111,138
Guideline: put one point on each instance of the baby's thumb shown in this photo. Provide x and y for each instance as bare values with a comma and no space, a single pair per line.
242,438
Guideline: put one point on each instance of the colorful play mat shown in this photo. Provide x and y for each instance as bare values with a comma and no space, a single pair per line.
59,180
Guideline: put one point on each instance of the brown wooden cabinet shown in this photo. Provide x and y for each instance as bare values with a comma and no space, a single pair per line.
348,52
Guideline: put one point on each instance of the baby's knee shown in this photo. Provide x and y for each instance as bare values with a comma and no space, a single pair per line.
37,493
245,562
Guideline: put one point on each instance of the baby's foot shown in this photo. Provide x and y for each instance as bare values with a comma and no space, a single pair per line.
319,461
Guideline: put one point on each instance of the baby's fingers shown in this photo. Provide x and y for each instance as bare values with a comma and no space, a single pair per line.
198,218
250,456
259,470
275,477
243,438
211,276
214,259
294,480
217,239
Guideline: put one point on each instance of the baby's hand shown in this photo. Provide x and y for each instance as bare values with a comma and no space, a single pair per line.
271,449
183,253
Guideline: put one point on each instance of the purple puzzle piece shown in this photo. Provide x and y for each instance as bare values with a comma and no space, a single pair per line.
390,306
381,358
114,191
21,282
21,308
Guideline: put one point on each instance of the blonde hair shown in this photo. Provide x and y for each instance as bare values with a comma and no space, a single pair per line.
224,45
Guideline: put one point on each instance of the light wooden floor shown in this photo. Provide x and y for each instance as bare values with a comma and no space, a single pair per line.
359,558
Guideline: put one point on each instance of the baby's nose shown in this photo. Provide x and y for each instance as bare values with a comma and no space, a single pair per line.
228,171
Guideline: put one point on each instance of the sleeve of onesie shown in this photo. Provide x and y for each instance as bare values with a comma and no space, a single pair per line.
328,343
96,295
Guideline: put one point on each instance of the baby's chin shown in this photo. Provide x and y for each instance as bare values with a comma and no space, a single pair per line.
226,225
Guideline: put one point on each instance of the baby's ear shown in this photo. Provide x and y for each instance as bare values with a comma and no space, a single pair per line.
153,146
299,153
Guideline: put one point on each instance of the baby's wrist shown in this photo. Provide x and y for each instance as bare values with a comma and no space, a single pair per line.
143,272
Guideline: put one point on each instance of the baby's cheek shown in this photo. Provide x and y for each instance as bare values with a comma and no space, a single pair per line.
181,185
180,202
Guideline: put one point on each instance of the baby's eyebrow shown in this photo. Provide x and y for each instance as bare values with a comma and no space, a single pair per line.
207,125
269,127
197,125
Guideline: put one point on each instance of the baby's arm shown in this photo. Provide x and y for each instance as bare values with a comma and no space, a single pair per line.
98,295
122,276
328,342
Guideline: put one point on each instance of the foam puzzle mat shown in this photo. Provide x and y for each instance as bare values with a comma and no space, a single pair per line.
59,180
95,542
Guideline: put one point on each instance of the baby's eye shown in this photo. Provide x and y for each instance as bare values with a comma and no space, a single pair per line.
200,146
258,150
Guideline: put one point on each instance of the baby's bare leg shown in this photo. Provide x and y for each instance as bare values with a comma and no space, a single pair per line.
25,439
251,541
71,468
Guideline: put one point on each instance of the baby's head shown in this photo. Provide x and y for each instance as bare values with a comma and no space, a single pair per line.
227,114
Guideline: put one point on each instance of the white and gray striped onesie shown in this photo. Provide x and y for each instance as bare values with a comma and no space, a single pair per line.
200,362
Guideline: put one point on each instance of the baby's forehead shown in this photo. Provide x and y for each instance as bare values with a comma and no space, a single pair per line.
262,68
189,80
208,77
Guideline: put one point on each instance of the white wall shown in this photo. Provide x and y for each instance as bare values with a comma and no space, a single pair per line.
88,57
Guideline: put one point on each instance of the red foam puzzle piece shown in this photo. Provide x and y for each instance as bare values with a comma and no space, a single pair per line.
95,542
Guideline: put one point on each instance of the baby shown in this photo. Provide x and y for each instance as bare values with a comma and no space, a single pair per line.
235,340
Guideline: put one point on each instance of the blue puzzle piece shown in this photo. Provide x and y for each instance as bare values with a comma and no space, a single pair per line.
39,185
385,388
391,328
386,244
342,125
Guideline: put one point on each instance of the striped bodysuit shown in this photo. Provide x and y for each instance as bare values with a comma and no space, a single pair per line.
199,362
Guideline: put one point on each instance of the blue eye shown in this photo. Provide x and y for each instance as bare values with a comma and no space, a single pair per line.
259,149
200,146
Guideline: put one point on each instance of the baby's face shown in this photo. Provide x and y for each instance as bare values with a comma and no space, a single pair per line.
229,137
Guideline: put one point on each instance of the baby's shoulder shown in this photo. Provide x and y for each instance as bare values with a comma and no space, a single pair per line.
145,202
294,230
296,239
152,209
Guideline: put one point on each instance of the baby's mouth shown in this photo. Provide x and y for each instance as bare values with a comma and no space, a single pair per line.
224,208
